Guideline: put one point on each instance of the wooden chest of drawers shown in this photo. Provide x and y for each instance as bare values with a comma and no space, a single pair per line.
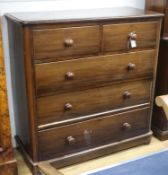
83,81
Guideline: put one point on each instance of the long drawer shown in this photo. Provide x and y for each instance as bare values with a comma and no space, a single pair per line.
80,103
117,36
72,75
62,42
64,140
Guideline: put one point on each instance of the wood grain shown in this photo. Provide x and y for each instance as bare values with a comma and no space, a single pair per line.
94,94
92,101
92,72
50,43
91,133
116,36
155,5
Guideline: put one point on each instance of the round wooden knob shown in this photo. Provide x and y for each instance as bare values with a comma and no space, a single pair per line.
126,126
126,95
1,150
69,75
68,107
69,42
71,140
131,66
132,36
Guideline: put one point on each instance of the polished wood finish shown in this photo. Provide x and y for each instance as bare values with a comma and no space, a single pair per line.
117,40
72,75
98,151
160,122
88,134
66,42
24,113
91,101
73,82
7,161
85,15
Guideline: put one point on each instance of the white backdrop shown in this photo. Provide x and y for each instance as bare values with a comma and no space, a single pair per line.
37,5
45,5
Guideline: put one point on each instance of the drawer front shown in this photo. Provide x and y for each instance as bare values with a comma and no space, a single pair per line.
64,140
65,42
80,103
89,72
117,36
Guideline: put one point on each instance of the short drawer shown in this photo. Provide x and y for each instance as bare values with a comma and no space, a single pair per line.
72,138
66,106
117,36
62,42
89,72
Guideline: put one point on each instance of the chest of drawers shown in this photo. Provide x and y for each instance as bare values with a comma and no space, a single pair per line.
83,81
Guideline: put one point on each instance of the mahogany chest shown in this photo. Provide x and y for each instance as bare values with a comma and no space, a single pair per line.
83,81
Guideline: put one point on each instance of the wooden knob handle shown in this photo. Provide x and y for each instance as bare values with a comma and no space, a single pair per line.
126,95
131,66
1,150
68,107
71,140
126,126
69,75
132,36
69,42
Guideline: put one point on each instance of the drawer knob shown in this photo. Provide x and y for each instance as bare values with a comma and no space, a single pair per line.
69,75
126,95
71,140
1,150
68,107
132,36
131,66
126,126
69,42
132,40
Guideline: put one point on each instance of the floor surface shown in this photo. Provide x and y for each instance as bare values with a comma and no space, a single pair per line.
121,156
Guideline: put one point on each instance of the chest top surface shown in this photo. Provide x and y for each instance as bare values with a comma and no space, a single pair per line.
81,15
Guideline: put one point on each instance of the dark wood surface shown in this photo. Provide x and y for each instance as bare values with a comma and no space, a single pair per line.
160,123
76,137
92,101
102,150
160,6
83,73
7,162
116,36
84,40
66,88
21,75
159,118
101,14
